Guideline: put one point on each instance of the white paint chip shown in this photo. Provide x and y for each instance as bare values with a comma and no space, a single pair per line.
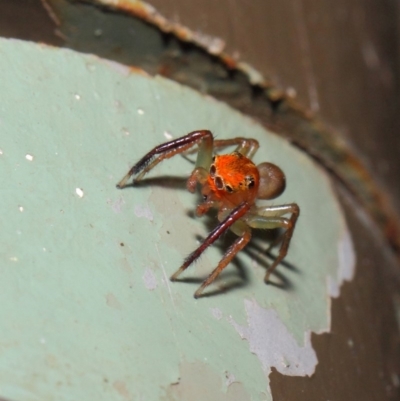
143,211
273,344
347,258
21,208
215,45
116,205
120,68
168,135
79,192
28,157
140,112
149,279
14,259
77,97
347,263
217,313
1,152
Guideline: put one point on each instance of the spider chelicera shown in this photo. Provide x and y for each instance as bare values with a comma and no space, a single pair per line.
231,183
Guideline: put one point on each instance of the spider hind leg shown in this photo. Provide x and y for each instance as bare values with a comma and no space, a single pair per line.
270,217
235,248
221,228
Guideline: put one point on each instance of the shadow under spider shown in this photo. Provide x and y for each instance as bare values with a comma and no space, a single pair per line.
254,249
237,279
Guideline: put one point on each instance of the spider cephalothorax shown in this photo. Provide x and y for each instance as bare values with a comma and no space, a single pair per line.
233,178
230,183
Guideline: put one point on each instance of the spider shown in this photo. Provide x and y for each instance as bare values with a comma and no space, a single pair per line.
231,183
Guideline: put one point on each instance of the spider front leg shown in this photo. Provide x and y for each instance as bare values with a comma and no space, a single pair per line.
169,149
246,146
271,217
222,227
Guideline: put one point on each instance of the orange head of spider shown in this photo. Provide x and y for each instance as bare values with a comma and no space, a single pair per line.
234,179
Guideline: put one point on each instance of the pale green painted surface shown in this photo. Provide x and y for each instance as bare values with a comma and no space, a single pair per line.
84,318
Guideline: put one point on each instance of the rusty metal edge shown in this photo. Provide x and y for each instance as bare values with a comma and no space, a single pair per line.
335,155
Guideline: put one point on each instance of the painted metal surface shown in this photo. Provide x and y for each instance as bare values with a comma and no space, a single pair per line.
136,33
87,310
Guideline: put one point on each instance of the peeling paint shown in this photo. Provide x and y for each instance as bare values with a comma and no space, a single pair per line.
116,205
118,67
347,264
217,313
143,211
149,279
230,378
347,258
198,381
150,14
274,346
119,247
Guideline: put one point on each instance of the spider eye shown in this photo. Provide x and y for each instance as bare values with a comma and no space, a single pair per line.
219,183
250,181
205,197
229,188
213,170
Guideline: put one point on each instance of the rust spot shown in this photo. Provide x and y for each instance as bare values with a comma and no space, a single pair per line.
137,70
149,14
120,386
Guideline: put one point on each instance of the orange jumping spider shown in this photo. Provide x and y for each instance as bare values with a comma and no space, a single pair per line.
230,183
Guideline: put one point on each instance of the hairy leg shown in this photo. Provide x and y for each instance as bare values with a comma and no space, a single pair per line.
246,146
169,149
236,247
222,227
